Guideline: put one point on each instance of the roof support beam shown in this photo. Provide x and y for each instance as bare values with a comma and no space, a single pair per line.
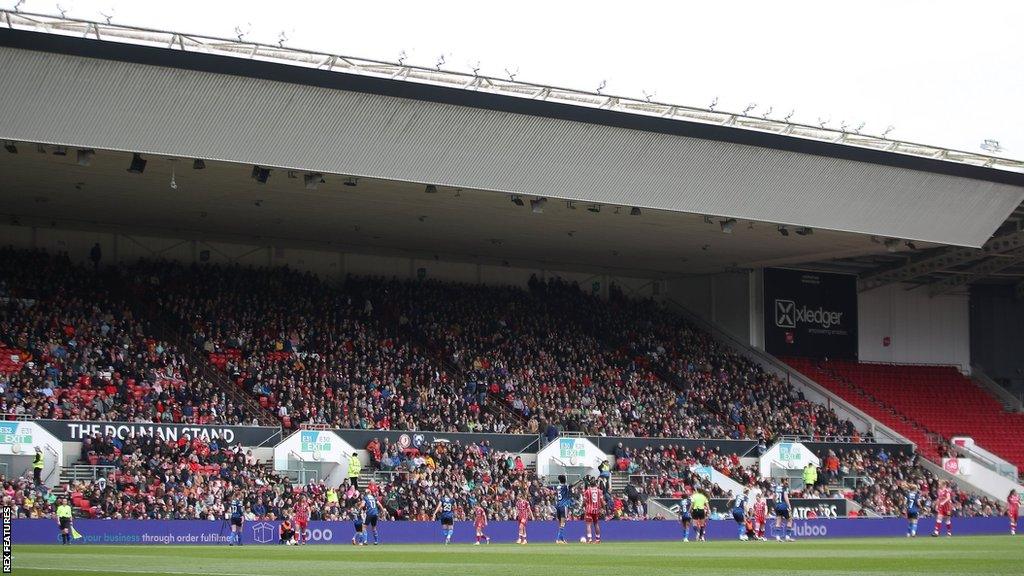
945,259
988,267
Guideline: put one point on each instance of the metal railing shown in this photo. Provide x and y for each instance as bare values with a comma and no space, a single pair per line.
85,472
979,455
10,416
815,438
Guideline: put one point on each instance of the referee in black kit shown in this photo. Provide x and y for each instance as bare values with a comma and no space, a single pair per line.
64,520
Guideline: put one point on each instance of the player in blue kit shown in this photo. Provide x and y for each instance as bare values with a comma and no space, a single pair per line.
562,507
237,511
913,510
359,539
739,512
446,513
374,511
782,512
686,514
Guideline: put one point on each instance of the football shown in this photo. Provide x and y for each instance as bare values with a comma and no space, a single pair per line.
583,539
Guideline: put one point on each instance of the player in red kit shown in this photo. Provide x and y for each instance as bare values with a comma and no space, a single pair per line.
301,519
760,516
593,502
944,509
524,512
480,522
1013,510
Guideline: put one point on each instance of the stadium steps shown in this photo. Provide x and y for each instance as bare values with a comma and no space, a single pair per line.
166,326
495,404
83,471
619,481
79,472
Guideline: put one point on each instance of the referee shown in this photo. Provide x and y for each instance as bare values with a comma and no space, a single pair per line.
64,520
700,513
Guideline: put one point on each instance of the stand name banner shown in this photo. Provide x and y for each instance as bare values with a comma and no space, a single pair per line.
810,314
78,430
169,532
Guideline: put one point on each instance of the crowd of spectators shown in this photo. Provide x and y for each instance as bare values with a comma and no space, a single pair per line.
667,471
380,354
733,397
25,499
472,474
885,479
388,354
313,352
193,478
72,349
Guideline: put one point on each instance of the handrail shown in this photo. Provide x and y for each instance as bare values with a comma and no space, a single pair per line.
988,460
55,467
11,416
94,471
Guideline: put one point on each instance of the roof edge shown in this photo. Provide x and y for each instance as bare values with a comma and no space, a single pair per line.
341,80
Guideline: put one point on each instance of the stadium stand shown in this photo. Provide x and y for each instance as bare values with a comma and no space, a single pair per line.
73,350
887,476
387,354
665,471
919,401
384,354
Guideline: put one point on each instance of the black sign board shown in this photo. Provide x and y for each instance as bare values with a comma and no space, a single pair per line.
77,430
810,314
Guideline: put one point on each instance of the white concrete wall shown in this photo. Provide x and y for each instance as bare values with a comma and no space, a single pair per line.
330,265
922,330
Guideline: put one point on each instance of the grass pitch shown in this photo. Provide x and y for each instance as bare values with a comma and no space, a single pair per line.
989,555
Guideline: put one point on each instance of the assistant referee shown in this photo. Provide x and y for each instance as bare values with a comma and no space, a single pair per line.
64,520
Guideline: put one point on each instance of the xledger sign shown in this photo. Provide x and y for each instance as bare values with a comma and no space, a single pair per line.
810,314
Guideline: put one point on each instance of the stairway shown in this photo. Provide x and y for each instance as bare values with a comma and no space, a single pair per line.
495,404
177,332
619,481
169,328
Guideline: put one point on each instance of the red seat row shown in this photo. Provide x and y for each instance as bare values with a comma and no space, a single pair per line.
917,400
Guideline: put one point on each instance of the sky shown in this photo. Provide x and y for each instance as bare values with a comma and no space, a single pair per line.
939,72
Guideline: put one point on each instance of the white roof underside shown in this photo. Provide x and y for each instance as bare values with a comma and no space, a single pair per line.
83,102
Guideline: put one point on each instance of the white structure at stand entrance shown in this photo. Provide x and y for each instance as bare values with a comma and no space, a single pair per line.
310,455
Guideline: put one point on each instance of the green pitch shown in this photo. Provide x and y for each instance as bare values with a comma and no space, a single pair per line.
988,555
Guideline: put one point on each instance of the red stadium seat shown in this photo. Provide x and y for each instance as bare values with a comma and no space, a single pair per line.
917,401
